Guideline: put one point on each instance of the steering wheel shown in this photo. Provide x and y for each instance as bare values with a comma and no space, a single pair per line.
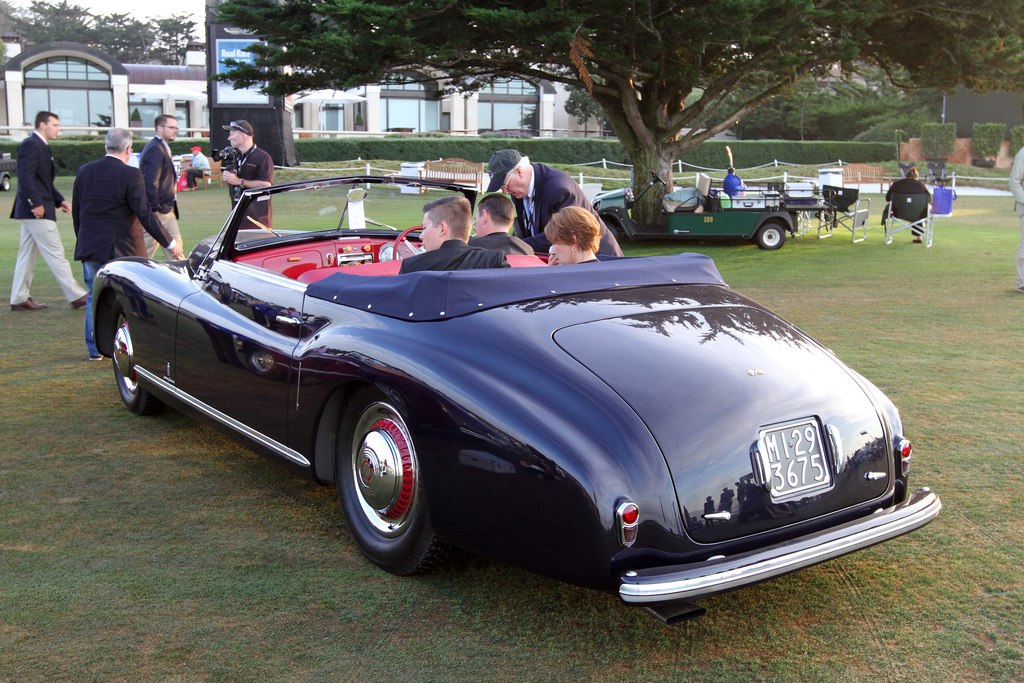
402,247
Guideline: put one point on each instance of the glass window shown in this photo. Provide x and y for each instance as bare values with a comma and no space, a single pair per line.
431,114
67,69
507,116
101,107
511,87
36,99
72,106
143,112
181,113
332,117
402,114
76,70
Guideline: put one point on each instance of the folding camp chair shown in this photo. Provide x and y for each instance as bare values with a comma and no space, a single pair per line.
937,172
911,211
905,168
843,207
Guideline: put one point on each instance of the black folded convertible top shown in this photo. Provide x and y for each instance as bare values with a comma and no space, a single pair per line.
437,295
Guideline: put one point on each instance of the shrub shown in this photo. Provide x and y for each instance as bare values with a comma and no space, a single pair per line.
938,140
1016,139
69,155
988,138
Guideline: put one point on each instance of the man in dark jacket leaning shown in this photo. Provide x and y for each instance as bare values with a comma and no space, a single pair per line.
539,192
109,210
447,223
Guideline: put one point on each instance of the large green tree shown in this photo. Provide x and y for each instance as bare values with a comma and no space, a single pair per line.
128,40
640,59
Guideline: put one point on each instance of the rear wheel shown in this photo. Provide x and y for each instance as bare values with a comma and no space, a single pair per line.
137,399
379,487
5,183
772,235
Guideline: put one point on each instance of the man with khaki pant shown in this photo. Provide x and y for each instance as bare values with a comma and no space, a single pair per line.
161,181
36,206
1017,189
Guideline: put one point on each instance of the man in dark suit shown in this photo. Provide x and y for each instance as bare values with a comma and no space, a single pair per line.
539,192
447,223
161,180
109,212
36,206
495,215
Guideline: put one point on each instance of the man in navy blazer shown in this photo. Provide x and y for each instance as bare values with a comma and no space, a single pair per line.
109,211
36,206
539,192
161,180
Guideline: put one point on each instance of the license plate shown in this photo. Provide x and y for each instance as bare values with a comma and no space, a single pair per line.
792,460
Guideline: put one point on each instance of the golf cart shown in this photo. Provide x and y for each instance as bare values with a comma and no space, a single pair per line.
762,213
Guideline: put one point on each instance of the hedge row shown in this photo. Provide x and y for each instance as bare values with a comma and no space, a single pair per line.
711,154
69,155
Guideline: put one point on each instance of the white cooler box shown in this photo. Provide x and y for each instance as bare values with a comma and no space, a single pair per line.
801,193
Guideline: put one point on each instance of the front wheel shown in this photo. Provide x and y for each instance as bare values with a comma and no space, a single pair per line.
5,183
771,236
379,487
137,399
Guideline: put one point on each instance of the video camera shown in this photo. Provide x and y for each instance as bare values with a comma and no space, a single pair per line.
228,158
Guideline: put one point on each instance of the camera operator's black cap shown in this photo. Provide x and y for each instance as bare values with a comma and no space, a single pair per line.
241,125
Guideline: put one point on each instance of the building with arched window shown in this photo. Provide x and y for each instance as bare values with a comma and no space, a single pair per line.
91,91
88,89
81,85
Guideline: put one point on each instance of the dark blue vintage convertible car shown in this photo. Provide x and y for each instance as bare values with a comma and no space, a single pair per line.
634,426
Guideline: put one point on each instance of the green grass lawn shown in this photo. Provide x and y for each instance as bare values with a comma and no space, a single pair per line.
155,549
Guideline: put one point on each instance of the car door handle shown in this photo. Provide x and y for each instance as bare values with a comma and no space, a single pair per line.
718,516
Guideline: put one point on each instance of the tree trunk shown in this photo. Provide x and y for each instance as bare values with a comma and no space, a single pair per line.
648,210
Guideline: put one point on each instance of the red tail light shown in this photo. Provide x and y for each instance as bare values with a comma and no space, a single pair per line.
905,452
627,515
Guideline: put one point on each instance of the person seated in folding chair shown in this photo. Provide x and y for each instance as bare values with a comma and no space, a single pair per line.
908,185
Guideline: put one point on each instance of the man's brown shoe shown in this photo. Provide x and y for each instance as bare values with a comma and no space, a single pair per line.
27,305
82,301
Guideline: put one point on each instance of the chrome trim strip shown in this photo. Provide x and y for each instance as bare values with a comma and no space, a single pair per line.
692,582
226,420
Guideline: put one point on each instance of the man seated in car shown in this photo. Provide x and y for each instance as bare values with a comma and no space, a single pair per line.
495,215
447,223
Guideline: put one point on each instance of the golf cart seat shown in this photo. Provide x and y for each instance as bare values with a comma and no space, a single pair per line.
910,211
689,199
843,207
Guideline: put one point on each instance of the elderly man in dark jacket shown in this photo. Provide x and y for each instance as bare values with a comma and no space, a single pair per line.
110,212
539,192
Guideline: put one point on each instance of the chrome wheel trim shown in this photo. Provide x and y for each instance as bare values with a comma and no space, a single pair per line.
383,469
124,357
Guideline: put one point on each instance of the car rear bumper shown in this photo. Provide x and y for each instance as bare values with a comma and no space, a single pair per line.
681,583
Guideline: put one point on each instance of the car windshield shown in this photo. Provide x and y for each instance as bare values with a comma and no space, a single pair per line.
313,209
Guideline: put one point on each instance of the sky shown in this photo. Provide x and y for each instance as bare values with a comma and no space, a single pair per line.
142,11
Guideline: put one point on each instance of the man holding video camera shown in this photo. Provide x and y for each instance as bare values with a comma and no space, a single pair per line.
249,167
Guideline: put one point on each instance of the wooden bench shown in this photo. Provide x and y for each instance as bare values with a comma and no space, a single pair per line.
459,171
856,174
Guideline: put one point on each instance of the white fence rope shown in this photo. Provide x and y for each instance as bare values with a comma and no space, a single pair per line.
677,165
